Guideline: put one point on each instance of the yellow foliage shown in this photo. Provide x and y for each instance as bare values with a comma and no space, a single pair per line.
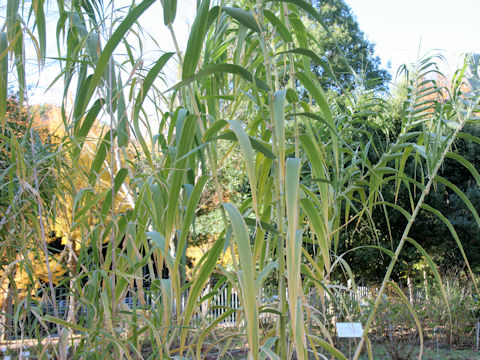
196,252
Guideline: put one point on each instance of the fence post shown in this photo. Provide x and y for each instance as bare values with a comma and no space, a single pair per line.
478,332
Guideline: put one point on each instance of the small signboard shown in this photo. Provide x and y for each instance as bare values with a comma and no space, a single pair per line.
349,330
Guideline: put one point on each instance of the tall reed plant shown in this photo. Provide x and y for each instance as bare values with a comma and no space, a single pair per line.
312,161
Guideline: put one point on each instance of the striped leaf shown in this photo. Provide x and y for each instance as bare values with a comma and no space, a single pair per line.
169,11
246,146
294,253
3,78
196,40
110,46
220,69
243,17
247,277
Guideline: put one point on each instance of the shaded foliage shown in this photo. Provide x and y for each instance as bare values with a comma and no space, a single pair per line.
359,51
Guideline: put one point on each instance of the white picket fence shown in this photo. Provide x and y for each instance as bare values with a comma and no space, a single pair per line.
362,293
225,299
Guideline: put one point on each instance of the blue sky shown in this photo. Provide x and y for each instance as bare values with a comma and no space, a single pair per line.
399,28
152,20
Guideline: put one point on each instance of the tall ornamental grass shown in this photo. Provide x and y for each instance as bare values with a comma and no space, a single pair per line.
128,194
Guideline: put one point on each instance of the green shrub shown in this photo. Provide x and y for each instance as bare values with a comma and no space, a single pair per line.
395,328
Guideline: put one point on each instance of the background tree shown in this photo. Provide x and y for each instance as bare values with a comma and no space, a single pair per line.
29,160
432,232
338,17
428,230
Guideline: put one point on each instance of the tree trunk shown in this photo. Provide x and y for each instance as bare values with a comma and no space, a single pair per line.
72,267
7,310
65,333
410,289
425,283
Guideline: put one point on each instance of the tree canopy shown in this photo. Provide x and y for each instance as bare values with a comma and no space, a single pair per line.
347,35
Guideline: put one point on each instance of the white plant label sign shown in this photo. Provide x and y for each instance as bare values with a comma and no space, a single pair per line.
349,330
